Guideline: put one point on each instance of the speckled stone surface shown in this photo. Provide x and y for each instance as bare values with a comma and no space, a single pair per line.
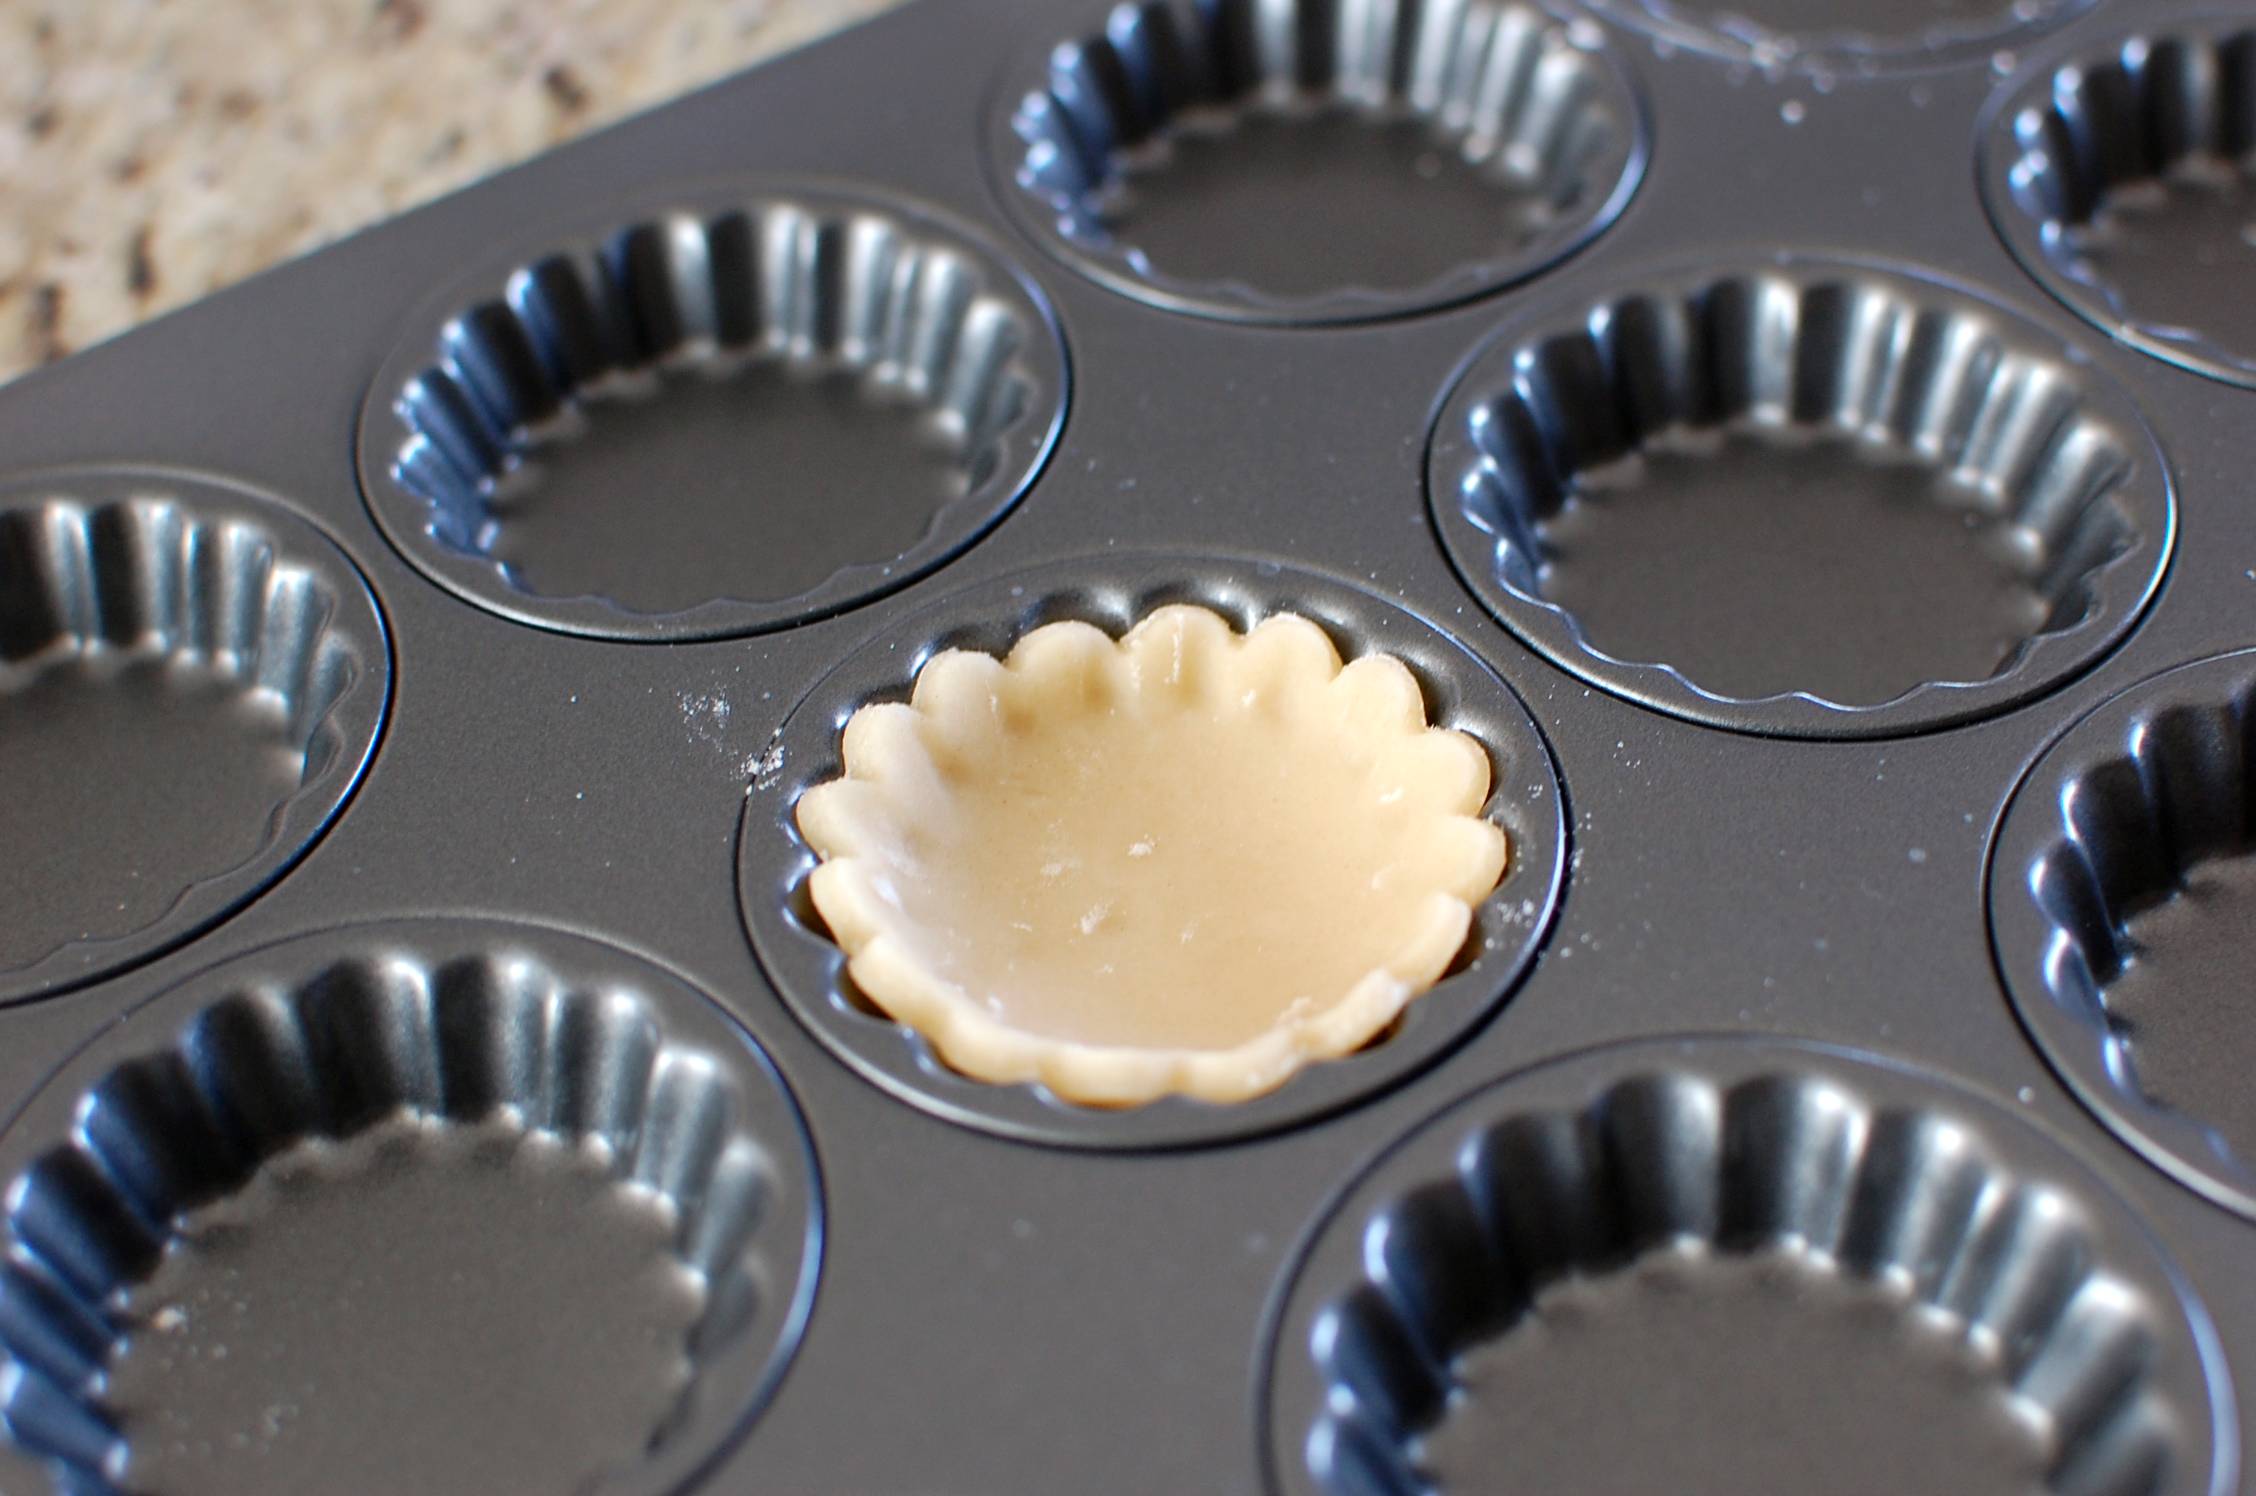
152,151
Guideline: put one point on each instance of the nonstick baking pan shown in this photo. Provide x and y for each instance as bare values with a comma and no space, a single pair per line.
1807,447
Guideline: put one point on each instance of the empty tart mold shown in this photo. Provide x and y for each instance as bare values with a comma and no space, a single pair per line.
194,679
1806,498
1261,162
1718,1267
2118,174
1853,38
2122,897
1150,852
724,416
482,1207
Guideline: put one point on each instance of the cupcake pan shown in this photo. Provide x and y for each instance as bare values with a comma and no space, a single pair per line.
1919,509
2118,171
1254,160
1615,1224
1016,1296
747,364
2121,898
1112,593
192,680
484,1207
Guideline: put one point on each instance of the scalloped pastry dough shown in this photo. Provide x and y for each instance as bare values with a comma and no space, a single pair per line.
1185,861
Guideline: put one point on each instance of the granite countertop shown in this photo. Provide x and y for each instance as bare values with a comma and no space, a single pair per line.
153,151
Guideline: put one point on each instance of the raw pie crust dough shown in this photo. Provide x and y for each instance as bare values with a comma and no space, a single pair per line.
1189,860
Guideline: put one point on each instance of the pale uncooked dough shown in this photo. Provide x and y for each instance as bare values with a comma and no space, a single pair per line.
1188,860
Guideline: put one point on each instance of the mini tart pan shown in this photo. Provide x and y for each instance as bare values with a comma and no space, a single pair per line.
198,678
1721,1265
189,1106
1621,479
1845,38
2122,890
1112,592
1258,162
2118,174
726,413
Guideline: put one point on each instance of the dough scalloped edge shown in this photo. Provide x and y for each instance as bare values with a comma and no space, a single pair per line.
896,757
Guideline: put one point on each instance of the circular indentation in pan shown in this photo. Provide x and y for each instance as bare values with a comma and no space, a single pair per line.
191,682
1720,1266
2122,898
727,415
1805,498
482,1207
1851,37
1112,592
1260,162
2120,178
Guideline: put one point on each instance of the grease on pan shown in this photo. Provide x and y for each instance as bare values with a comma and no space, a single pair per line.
2121,898
719,419
1723,1267
1807,499
2120,178
1258,161
484,1208
1185,861
193,679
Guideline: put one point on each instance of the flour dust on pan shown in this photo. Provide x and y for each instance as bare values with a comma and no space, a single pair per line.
1092,1090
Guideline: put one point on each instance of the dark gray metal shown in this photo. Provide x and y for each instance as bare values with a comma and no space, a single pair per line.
1302,164
2116,170
997,1317
186,1102
2119,901
728,412
1113,591
1801,497
191,681
1881,1217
